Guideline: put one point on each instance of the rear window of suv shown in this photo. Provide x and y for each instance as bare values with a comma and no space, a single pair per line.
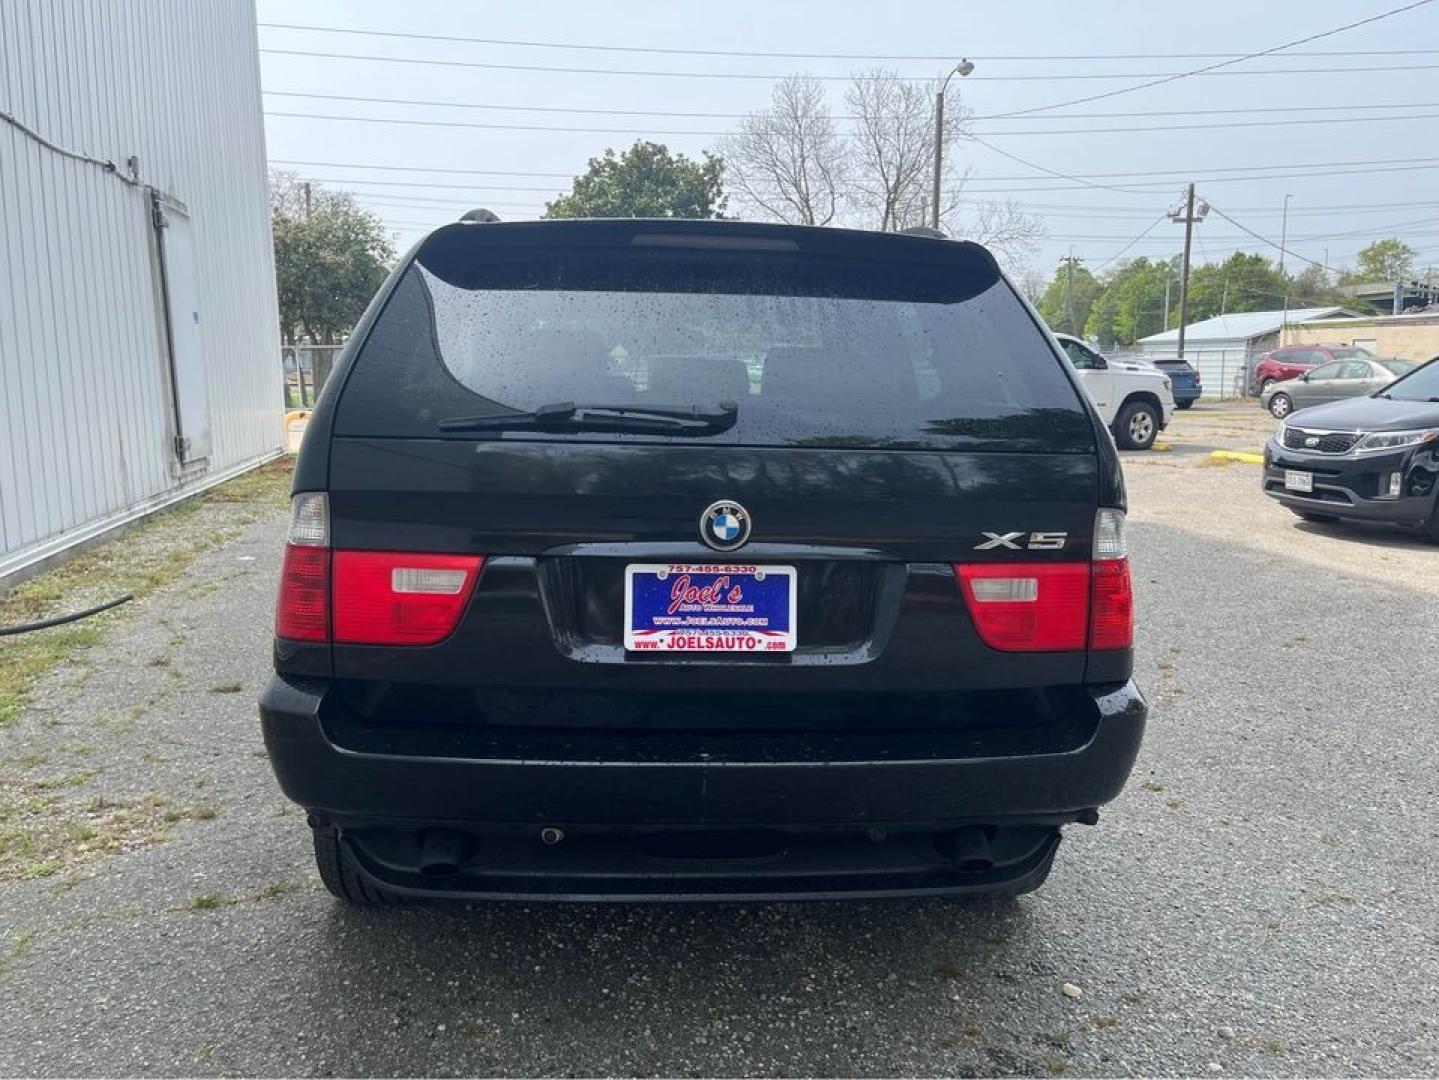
822,351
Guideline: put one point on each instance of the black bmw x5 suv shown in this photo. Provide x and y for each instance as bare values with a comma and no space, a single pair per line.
701,560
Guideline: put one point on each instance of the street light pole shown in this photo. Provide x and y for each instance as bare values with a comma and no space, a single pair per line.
963,68
1283,236
1283,232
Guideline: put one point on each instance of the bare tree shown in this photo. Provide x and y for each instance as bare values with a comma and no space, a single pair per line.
1007,230
787,161
893,148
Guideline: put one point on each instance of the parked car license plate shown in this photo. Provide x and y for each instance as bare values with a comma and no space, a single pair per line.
1298,481
706,607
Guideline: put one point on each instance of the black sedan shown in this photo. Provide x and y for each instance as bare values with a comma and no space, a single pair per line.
1373,458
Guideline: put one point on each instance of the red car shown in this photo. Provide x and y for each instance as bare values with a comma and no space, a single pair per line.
1294,360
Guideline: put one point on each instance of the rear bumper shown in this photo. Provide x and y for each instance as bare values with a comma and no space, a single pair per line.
829,822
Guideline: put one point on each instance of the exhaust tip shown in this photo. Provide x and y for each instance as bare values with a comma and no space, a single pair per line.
442,851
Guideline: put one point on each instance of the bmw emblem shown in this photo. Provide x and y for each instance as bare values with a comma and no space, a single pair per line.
725,525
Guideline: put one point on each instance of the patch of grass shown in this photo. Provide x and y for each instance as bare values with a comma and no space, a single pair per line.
1102,1022
226,688
79,832
26,657
1056,1066
267,484
15,948
1330,899
1271,1046
1153,786
146,558
43,831
74,779
278,888
209,901
1174,804
203,813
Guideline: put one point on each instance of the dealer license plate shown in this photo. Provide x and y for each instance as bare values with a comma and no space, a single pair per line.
1298,481
709,607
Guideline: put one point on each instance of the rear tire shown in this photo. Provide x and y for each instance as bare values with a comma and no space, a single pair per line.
1137,426
1264,388
340,874
1280,406
1184,404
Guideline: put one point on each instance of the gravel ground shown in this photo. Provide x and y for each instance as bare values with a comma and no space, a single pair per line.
1259,901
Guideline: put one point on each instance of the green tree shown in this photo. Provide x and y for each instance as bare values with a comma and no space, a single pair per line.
1311,287
1065,307
1240,283
1132,303
645,181
330,258
1390,259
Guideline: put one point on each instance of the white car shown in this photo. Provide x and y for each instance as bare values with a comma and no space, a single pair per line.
1134,397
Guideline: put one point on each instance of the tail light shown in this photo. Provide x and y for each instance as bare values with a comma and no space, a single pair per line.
302,612
1111,594
1055,607
1028,608
366,597
400,598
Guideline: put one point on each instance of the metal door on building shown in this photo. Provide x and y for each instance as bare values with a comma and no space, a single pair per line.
189,376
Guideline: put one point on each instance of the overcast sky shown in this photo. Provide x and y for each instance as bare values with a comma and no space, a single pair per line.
1026,55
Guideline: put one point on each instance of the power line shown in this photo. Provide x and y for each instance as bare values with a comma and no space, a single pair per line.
1245,111
1264,240
1213,174
1135,211
1126,247
1132,188
588,111
1210,69
416,168
1162,77
710,132
453,38
1041,168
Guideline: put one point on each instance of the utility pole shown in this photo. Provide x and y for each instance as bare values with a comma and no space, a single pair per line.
1069,291
963,68
307,198
1188,217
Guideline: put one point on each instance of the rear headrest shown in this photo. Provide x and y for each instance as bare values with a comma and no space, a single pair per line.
697,380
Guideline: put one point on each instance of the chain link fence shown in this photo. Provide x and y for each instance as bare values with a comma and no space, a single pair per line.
306,368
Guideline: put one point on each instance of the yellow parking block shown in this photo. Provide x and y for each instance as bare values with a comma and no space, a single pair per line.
1236,455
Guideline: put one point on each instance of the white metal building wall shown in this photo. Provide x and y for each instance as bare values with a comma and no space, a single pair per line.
86,419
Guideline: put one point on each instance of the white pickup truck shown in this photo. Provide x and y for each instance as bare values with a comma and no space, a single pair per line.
1134,398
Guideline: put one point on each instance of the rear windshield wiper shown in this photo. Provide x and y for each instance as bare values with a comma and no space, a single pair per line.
568,416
